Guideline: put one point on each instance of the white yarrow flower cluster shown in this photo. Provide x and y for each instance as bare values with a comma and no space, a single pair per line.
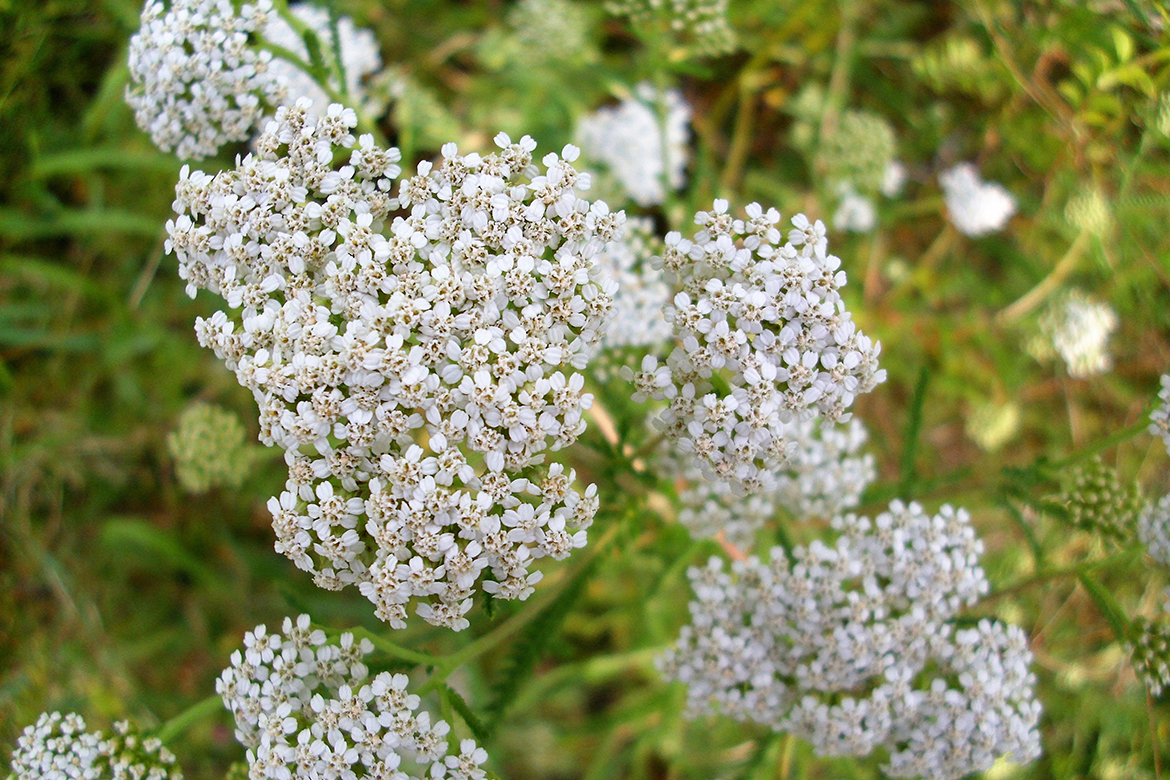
1154,530
855,213
630,142
197,81
641,295
824,476
763,338
58,747
829,647
359,54
1079,329
415,372
306,708
974,206
1160,417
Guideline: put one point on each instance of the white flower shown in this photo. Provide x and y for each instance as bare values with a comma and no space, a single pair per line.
629,141
359,54
701,24
309,710
58,747
1154,530
894,179
197,81
418,371
1079,329
828,646
764,320
855,213
1160,417
974,206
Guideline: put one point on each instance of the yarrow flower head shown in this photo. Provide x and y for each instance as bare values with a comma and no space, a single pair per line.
417,372
1160,417
1078,329
992,425
197,81
58,747
306,708
1089,211
763,338
358,48
1154,530
831,646
631,144
855,213
695,24
1149,649
551,30
974,206
210,448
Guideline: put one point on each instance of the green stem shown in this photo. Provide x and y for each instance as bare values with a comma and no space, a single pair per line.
201,710
388,647
1079,570
1108,605
1117,438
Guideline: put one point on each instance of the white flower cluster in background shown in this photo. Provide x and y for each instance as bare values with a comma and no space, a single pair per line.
306,708
1160,417
196,80
1078,329
630,142
830,646
58,747
824,476
763,338
210,448
855,213
1154,530
641,294
860,152
551,30
975,207
416,372
701,24
358,47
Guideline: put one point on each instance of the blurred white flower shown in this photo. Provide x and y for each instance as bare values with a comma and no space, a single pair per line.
974,206
1078,329
197,81
641,294
1160,417
358,47
630,143
1154,530
855,213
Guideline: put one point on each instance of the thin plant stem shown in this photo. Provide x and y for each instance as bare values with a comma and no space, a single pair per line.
197,712
1040,293
1141,426
390,648
1056,574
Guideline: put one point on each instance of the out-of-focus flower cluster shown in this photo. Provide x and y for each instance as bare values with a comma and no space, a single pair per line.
695,24
831,646
630,142
974,206
1077,328
416,372
1160,417
306,708
992,425
1149,649
58,747
197,81
641,295
825,475
358,49
210,448
763,338
1154,530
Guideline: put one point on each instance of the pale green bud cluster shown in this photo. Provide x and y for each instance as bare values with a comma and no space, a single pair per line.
992,425
700,25
210,448
860,151
1149,648
551,29
1088,211
1094,499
